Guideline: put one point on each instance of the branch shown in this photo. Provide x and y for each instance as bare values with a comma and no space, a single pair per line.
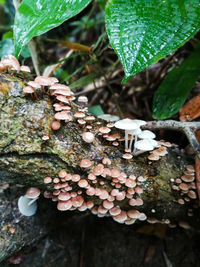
188,128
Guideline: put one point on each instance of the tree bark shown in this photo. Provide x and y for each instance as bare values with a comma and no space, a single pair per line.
25,159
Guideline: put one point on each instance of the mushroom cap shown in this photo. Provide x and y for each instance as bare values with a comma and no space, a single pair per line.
63,115
134,132
32,192
88,137
85,163
34,84
25,68
59,86
140,122
126,124
63,92
144,145
55,125
44,80
64,205
24,208
11,62
146,134
108,117
28,90
153,142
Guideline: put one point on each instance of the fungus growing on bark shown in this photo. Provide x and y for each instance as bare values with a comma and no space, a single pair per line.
88,137
27,204
129,126
11,62
25,69
55,125
108,117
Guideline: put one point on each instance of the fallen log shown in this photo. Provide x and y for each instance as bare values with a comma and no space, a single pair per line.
144,189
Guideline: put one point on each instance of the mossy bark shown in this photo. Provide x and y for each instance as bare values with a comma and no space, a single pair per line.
25,159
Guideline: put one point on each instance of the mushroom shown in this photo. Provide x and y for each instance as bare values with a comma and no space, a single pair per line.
27,204
129,126
146,134
108,117
144,145
45,81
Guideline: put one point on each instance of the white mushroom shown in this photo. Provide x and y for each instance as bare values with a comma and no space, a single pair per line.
26,206
146,134
108,117
145,145
129,126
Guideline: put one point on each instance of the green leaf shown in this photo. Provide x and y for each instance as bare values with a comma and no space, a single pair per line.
102,3
6,47
7,35
34,18
176,87
85,80
96,110
144,31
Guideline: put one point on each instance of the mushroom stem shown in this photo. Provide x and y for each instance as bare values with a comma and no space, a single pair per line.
137,153
126,139
32,201
134,150
131,142
35,95
42,89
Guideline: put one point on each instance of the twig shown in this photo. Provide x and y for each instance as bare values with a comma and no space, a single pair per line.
16,4
188,128
34,56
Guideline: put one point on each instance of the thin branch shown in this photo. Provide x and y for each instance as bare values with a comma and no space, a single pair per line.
34,56
188,128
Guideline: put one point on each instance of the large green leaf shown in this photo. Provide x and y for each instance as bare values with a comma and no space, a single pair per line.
175,88
34,17
144,31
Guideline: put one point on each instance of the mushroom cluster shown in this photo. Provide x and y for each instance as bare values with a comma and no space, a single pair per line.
185,185
10,63
92,191
101,188
132,129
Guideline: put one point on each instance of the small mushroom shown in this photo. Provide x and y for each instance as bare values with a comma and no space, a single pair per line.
108,117
129,126
143,145
25,206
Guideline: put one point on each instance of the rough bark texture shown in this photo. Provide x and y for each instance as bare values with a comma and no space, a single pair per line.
25,160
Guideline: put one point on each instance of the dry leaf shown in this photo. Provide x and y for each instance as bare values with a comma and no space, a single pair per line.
191,110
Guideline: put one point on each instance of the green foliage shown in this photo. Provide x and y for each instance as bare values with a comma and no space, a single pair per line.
96,110
140,31
175,88
102,3
144,31
7,35
37,17
83,81
6,47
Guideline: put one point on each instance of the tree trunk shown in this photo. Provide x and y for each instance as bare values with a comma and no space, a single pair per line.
25,159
